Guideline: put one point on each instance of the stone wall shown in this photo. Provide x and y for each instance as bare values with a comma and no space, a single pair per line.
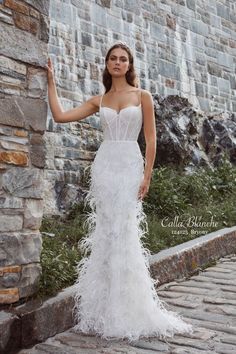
183,47
23,111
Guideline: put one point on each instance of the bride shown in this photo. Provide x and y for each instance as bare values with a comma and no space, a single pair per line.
115,294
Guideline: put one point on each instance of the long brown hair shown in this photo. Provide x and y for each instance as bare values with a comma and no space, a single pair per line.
131,75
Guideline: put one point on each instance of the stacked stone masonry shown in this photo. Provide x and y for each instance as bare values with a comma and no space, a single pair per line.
24,34
182,47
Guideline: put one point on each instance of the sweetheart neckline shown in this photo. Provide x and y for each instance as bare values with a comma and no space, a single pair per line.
137,106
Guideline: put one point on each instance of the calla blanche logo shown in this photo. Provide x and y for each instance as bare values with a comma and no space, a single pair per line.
181,225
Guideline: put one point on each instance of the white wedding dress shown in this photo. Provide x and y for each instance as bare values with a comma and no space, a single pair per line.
115,294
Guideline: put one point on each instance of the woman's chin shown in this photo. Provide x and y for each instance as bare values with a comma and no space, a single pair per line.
117,74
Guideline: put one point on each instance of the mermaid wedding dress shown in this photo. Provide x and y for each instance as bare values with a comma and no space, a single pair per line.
115,294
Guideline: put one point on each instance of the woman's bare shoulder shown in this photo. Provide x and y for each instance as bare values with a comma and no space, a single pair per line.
146,97
145,93
95,100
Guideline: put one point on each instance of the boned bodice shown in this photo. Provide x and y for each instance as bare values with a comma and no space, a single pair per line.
123,125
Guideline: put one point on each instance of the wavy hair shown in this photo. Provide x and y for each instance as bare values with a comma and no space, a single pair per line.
131,76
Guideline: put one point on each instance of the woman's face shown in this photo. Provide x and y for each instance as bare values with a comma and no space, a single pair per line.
118,62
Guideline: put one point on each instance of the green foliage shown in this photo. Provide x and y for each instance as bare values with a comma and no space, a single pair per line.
206,197
165,196
60,252
58,261
173,192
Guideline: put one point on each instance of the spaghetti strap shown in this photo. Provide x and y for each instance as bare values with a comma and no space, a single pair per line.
101,101
140,91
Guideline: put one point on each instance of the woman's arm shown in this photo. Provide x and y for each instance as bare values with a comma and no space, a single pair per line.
150,139
88,108
149,127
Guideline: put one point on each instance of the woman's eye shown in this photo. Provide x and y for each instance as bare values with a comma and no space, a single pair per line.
113,58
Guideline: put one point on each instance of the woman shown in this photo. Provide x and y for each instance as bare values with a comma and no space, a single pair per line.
115,295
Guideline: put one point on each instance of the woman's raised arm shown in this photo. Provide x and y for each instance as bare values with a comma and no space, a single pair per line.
86,109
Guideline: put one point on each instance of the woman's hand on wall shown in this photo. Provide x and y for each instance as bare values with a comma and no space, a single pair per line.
50,71
86,109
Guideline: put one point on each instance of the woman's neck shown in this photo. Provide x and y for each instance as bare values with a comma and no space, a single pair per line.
119,84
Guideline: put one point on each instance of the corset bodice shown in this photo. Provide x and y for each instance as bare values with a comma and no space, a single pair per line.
123,125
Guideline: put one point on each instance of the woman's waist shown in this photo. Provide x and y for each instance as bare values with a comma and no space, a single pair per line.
117,148
116,141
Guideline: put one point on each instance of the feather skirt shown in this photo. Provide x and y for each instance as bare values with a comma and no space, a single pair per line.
115,294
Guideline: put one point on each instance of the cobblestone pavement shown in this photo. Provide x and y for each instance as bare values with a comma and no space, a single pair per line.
206,300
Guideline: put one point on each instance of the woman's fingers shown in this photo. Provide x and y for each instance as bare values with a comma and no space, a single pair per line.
50,71
49,64
143,189
142,192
